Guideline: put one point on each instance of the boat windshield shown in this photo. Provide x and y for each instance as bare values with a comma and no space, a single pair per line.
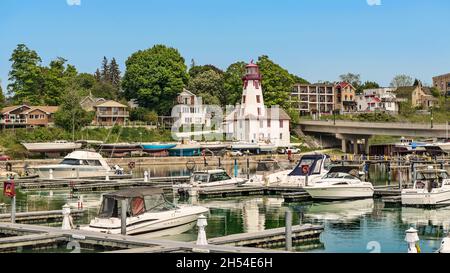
334,175
71,161
158,203
267,167
109,208
200,178
219,177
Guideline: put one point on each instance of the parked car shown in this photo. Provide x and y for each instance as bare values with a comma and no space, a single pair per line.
285,150
236,153
5,158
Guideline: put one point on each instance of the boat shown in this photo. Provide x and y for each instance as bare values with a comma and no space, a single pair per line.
309,169
119,147
246,147
206,180
339,186
148,213
431,189
214,146
78,164
52,147
267,148
268,172
185,149
157,147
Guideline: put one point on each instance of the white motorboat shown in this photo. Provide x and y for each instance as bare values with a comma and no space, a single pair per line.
148,214
207,179
268,172
78,164
341,211
431,189
310,168
49,147
340,186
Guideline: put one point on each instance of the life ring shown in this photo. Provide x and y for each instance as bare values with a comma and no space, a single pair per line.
190,165
8,167
131,165
305,169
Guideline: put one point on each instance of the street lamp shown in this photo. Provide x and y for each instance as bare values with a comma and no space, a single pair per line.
431,119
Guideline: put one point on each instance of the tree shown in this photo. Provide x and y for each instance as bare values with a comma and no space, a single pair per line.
277,83
98,75
155,77
114,74
70,116
56,78
195,70
367,85
209,86
2,96
25,76
233,82
104,72
353,79
299,80
401,81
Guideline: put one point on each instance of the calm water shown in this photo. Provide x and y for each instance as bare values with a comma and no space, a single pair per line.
353,226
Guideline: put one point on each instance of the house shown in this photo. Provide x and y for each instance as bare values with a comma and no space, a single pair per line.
378,99
418,96
190,110
89,102
345,98
251,121
442,83
24,116
110,113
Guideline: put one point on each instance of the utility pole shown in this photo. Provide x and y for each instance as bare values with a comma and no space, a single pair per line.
431,112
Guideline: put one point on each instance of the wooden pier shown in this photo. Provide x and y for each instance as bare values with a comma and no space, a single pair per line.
37,237
223,192
41,216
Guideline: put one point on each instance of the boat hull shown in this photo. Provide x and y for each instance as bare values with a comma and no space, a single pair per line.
51,147
340,193
418,199
157,147
67,173
185,151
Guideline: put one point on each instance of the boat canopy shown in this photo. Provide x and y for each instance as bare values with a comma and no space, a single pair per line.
267,165
314,162
135,192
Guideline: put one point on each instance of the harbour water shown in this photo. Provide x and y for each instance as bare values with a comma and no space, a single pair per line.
361,226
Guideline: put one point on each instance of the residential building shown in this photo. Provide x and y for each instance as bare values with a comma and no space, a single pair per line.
345,98
442,83
313,99
190,110
379,99
418,96
110,113
251,121
24,116
89,102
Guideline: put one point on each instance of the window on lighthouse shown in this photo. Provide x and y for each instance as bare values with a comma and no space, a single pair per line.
243,99
258,98
259,111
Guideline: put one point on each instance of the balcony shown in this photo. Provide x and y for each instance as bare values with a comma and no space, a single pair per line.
124,114
13,121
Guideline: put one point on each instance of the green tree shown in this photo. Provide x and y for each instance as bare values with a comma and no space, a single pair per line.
298,79
401,81
98,75
114,74
70,116
233,82
277,83
85,81
25,76
104,72
56,78
209,85
196,70
367,85
2,96
155,77
353,79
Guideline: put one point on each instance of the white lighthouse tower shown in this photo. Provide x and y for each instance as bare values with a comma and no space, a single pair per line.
252,102
251,121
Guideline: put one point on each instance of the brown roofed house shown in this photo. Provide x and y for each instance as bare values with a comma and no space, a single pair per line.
418,95
24,116
110,113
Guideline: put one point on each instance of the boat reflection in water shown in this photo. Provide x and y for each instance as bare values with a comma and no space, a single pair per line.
433,223
342,211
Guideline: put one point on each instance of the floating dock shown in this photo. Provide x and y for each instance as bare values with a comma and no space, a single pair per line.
41,216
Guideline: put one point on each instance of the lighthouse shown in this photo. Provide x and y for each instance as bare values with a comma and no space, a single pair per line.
251,121
252,102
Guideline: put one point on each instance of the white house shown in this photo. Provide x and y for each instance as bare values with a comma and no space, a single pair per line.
191,110
378,99
251,121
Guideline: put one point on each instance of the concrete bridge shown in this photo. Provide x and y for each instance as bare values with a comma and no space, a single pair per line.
360,132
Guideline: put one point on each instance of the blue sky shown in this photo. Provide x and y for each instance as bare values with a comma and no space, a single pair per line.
315,39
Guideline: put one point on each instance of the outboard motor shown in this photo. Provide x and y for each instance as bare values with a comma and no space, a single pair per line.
118,170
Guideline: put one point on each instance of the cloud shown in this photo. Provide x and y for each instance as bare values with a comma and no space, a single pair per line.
374,2
74,2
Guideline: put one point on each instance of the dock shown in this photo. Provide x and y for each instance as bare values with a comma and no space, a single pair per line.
223,192
41,216
21,236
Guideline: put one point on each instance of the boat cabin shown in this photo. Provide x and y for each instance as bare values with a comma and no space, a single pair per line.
431,179
204,177
317,164
339,179
139,200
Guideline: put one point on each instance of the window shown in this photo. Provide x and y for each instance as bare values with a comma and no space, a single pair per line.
281,124
219,177
259,111
261,124
243,99
268,123
281,135
258,99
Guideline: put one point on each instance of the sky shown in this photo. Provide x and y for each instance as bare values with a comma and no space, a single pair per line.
315,39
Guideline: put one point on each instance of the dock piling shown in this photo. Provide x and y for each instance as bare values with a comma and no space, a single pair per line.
123,217
13,209
288,230
50,174
146,176
235,168
66,220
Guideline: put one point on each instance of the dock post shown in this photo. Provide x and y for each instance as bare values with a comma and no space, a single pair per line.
248,168
288,230
201,237
123,217
389,173
220,163
107,176
145,176
66,224
50,174
13,209
235,168
400,178
412,239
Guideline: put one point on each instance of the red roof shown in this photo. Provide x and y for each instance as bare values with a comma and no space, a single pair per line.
251,64
343,84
